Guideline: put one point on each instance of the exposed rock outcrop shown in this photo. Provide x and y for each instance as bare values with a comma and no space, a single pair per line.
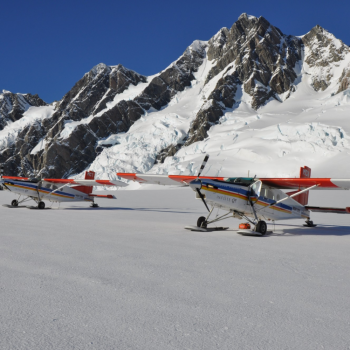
12,106
252,61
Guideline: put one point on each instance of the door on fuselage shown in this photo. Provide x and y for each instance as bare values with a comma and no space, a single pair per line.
254,191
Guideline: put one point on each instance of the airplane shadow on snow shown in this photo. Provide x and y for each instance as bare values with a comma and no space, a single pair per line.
319,230
160,210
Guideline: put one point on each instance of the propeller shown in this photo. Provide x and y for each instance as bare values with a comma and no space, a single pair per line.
202,198
197,179
202,166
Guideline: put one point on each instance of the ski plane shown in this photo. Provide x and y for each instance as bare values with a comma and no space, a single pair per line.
55,190
255,200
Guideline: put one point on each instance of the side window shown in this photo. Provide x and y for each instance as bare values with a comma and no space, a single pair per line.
270,195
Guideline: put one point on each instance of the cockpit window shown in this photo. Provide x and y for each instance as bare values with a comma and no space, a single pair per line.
243,181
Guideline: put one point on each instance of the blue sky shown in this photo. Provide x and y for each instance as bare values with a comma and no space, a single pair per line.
47,46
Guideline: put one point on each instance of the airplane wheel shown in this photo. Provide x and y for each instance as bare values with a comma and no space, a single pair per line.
202,222
14,203
261,227
41,205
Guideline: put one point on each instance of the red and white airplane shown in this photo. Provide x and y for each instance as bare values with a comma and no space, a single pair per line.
55,190
253,199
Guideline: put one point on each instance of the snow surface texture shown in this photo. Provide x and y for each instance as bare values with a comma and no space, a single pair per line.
128,276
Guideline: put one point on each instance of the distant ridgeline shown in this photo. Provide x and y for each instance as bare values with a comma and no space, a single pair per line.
250,95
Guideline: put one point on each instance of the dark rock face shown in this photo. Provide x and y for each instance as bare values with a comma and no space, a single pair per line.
344,80
12,106
174,79
252,57
258,57
67,153
262,57
167,152
319,42
205,119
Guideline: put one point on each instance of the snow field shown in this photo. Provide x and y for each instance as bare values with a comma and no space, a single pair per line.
128,276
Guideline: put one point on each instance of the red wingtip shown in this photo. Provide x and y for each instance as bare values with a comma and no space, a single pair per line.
347,209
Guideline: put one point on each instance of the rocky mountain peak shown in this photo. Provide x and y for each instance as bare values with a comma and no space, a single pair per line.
100,68
120,78
251,63
256,57
322,51
12,106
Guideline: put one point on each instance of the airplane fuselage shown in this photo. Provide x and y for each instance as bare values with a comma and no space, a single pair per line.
236,198
50,193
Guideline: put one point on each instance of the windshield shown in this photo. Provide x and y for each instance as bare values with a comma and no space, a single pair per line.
243,181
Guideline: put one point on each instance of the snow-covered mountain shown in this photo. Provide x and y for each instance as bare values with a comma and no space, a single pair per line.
252,97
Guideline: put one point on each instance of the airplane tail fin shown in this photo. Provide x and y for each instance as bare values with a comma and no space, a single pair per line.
303,198
89,175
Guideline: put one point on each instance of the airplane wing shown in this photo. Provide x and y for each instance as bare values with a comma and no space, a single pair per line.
165,180
74,181
15,178
87,182
300,183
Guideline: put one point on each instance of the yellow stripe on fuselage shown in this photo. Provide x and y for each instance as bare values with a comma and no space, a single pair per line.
274,207
42,191
237,195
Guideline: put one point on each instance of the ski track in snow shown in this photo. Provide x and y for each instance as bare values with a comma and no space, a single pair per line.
128,276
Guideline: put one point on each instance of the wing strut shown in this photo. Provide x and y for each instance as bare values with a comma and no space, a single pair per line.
293,195
57,189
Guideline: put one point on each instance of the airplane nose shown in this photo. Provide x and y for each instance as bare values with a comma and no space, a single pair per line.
195,184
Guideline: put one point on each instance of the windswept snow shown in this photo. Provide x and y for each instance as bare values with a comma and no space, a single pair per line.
32,116
309,128
137,149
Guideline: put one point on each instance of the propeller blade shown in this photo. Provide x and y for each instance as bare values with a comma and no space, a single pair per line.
202,198
203,165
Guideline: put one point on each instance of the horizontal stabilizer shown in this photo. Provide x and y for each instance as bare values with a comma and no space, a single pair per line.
110,196
329,210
